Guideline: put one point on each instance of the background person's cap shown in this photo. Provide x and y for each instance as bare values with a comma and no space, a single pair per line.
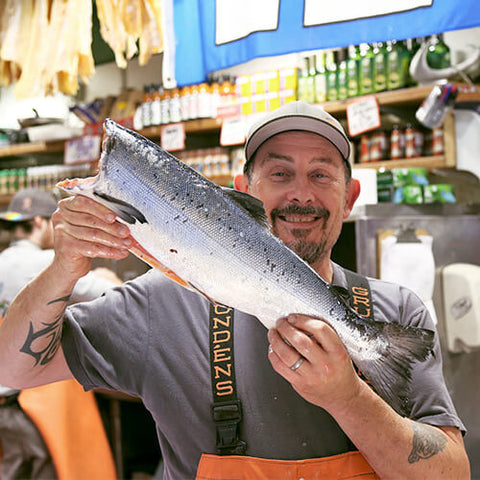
297,116
28,203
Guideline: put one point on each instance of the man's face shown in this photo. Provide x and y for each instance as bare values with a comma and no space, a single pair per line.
300,177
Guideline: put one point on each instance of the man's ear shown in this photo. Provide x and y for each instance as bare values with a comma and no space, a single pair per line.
352,193
240,182
38,221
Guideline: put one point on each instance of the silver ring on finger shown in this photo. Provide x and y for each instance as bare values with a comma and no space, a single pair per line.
297,364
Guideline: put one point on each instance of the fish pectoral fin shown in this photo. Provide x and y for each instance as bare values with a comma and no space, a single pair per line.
124,210
250,204
147,257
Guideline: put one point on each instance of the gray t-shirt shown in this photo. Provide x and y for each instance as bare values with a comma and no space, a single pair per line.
150,338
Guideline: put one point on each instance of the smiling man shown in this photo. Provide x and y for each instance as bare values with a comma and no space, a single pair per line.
306,188
300,409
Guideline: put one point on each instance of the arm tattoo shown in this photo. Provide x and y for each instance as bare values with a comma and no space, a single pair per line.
52,330
427,442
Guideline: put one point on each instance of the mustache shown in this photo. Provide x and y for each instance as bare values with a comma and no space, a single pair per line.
293,209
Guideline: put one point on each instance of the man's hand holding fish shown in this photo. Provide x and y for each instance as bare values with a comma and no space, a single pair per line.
84,230
262,355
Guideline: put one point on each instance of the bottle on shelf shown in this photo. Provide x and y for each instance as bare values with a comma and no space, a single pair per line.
194,102
165,104
147,106
156,106
398,63
352,71
397,143
366,69
438,55
306,81
215,96
303,73
342,74
379,67
175,107
311,79
413,45
185,102
204,100
410,149
320,78
332,77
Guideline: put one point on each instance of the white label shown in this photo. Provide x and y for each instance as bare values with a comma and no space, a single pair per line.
363,115
236,19
82,150
233,131
172,137
320,13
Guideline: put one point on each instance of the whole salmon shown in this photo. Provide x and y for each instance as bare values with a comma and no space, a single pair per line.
218,242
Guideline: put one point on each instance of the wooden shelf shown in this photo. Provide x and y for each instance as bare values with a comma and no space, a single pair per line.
403,96
33,147
201,125
437,161
406,96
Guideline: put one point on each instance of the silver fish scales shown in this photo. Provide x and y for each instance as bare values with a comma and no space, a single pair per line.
218,242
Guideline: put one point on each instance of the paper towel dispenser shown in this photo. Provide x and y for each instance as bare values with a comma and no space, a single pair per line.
461,299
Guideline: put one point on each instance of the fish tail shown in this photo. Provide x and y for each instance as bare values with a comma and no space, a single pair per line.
390,374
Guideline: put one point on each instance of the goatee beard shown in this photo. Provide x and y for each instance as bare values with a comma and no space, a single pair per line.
310,252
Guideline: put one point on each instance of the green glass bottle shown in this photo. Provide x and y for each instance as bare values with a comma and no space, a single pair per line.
320,78
310,95
342,76
352,71
365,75
332,78
413,45
438,55
404,56
379,67
303,80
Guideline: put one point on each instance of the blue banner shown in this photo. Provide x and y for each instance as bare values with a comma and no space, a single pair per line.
216,34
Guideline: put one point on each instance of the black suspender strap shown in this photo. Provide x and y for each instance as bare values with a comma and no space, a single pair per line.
360,294
360,299
226,408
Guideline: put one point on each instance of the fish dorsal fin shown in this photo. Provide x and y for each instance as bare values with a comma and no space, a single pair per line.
249,204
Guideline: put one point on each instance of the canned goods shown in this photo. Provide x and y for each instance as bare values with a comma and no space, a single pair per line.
397,143
410,148
438,147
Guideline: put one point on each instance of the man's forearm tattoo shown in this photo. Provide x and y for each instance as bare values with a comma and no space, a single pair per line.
51,331
427,442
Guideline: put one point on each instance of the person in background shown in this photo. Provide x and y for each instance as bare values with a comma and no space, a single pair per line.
305,410
28,219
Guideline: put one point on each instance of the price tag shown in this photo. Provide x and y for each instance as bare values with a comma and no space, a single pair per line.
363,115
172,137
233,131
82,150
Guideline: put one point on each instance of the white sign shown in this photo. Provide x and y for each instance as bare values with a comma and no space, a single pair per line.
172,137
233,131
82,150
235,20
363,115
320,13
